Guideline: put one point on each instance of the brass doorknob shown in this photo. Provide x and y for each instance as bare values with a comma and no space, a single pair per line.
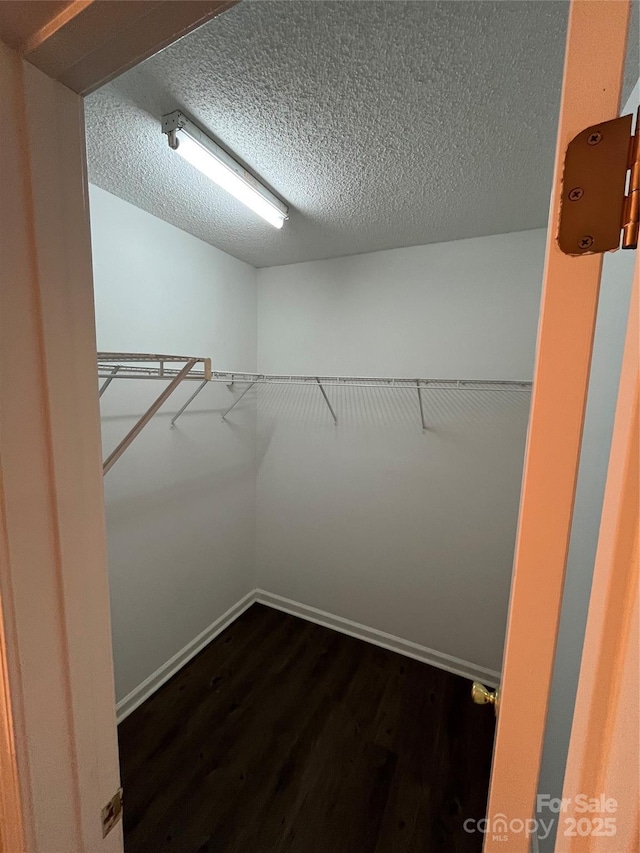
482,696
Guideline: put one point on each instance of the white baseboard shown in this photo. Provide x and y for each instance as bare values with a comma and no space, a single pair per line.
149,686
337,623
379,638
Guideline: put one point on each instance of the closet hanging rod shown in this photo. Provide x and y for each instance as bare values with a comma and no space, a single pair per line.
113,366
371,381
127,371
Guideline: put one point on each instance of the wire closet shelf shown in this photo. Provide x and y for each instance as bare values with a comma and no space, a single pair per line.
176,369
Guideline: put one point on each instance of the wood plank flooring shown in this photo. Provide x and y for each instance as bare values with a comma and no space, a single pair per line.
285,737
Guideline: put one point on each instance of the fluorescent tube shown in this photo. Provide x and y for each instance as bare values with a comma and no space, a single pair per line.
210,159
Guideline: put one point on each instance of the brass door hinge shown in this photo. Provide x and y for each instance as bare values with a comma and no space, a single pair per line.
596,203
111,813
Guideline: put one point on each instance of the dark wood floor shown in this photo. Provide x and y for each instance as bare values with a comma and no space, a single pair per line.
286,737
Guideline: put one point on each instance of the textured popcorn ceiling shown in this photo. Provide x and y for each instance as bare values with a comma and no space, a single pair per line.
381,124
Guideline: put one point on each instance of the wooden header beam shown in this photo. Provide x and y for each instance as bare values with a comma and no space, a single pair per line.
86,43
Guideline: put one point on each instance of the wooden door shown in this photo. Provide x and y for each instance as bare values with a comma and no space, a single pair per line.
594,65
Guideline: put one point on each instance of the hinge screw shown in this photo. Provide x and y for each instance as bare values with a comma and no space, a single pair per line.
594,138
586,242
576,193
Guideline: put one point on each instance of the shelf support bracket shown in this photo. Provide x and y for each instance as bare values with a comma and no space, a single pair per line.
108,380
144,420
422,420
326,399
235,402
188,403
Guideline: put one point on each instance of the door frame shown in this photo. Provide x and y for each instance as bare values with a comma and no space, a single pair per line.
58,750
58,736
53,580
591,92
605,736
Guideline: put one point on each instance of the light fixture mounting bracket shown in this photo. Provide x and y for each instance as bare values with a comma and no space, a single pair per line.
174,121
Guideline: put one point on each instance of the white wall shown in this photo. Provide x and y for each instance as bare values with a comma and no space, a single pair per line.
180,503
406,532
372,520
613,309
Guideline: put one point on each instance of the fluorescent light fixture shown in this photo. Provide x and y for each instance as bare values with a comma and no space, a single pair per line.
214,162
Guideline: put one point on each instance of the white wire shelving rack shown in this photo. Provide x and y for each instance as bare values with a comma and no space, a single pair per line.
177,369
128,365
